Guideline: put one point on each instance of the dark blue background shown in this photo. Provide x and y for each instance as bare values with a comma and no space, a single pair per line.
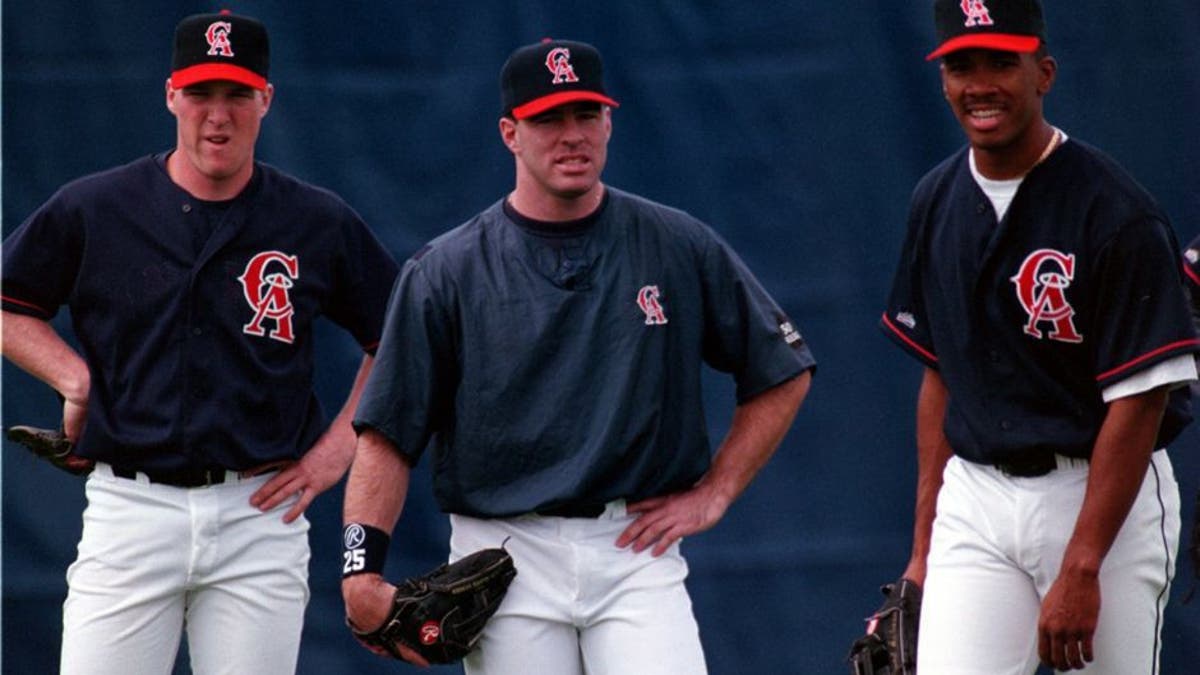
797,129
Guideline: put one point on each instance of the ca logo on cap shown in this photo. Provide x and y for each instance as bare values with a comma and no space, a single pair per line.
558,61
977,13
218,39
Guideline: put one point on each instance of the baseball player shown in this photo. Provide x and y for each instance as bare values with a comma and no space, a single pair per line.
1039,288
193,279
1191,272
551,349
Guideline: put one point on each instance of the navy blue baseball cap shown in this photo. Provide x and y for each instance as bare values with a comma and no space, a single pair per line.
541,76
222,46
1005,25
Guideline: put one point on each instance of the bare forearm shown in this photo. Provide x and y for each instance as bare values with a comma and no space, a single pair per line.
758,427
378,483
34,346
339,439
375,494
323,465
933,451
1119,462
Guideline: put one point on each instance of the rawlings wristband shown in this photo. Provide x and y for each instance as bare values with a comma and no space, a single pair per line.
364,549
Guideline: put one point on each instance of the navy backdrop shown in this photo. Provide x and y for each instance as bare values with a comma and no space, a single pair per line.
797,129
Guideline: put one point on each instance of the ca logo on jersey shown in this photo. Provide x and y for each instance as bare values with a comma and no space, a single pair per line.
558,62
218,38
647,300
976,12
1042,283
265,285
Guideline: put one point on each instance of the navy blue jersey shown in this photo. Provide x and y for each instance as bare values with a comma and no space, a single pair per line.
1029,318
553,370
196,319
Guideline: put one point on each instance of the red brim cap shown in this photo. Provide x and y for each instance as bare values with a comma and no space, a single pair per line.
204,72
541,105
1004,42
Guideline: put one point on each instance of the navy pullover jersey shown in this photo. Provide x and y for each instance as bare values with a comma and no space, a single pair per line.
552,370
1029,318
196,318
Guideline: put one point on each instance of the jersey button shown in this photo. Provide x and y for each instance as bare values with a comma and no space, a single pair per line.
1006,425
197,331
981,208
187,208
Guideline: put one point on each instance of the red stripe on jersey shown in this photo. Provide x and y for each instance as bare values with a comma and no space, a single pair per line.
24,304
1192,275
907,340
1147,355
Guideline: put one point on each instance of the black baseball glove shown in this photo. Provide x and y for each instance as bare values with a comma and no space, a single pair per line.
52,446
441,615
890,645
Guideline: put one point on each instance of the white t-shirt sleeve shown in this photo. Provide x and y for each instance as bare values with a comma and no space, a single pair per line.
1176,371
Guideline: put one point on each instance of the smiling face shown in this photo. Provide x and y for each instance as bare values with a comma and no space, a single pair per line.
217,125
560,155
997,97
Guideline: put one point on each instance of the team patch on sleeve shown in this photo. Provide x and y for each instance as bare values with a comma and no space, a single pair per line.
789,332
791,335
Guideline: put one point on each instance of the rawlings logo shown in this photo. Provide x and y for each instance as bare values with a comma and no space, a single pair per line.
1042,282
558,62
647,300
430,632
354,536
218,38
267,293
976,12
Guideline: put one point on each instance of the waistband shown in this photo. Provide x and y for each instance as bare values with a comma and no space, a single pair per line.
1039,465
1034,465
192,477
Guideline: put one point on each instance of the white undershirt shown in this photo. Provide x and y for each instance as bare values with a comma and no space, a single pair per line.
1175,371
1001,192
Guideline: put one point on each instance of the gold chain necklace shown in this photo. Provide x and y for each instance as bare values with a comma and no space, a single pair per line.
1049,147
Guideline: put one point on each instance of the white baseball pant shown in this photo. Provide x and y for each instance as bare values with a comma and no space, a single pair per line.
580,605
997,545
154,559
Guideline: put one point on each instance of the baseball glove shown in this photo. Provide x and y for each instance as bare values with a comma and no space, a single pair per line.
890,645
441,615
52,446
